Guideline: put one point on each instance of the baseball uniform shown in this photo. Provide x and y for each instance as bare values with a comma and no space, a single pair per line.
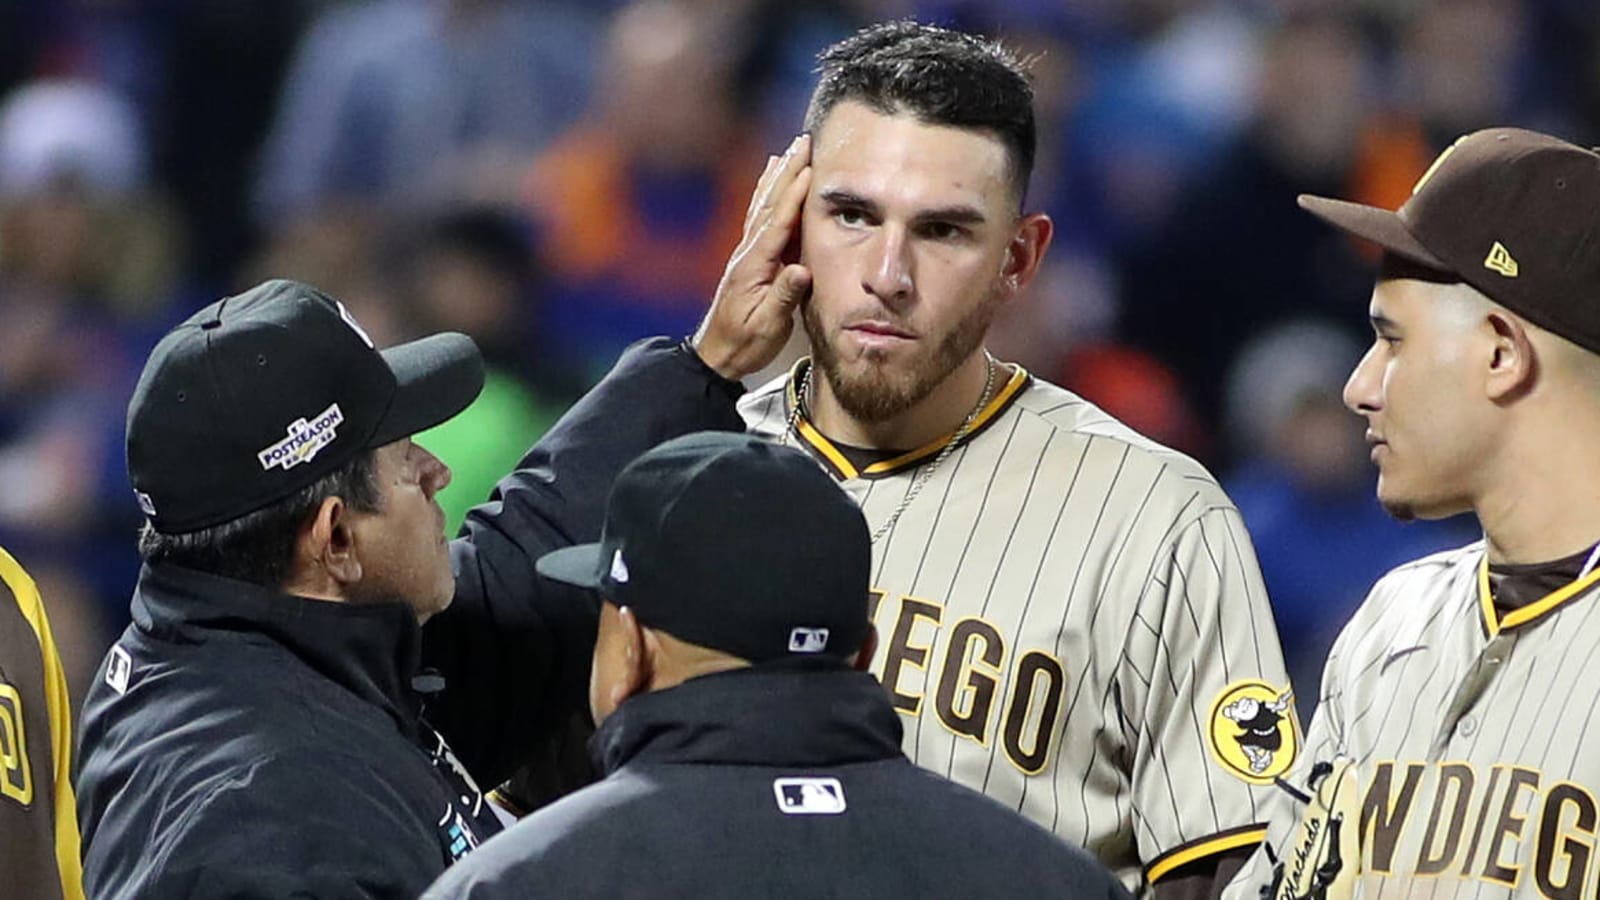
1071,621
38,826
1470,727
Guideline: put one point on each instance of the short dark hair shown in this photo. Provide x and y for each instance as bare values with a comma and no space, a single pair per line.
258,547
940,76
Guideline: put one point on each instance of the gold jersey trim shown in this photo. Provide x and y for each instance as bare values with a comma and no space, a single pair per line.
60,714
1221,842
842,466
1494,623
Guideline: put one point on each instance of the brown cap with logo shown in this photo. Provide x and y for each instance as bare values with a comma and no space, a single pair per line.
1514,213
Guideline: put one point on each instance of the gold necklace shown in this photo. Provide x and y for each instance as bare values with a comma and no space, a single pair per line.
926,472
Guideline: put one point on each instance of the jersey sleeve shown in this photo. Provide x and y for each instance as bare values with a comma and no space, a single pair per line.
38,818
1323,741
1207,700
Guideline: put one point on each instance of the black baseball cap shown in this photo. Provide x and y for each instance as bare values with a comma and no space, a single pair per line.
731,542
261,394
1514,213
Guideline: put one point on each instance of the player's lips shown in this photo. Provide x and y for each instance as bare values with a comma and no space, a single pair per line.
878,334
1379,445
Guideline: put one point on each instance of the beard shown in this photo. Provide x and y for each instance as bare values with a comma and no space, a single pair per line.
873,392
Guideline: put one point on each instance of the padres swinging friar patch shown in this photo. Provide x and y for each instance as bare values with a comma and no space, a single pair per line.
1253,732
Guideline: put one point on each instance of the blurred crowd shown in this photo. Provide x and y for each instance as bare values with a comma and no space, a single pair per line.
559,177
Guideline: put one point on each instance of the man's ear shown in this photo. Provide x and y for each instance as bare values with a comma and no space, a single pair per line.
869,647
638,663
1025,253
1513,366
325,550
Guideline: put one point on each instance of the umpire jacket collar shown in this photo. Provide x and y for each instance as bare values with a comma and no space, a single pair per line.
372,650
785,713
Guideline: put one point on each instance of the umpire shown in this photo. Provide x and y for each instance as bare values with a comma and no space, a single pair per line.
266,726
747,751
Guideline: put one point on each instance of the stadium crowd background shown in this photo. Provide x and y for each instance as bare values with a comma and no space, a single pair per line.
559,177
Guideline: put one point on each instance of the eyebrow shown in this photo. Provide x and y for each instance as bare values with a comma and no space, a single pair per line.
1383,323
957,214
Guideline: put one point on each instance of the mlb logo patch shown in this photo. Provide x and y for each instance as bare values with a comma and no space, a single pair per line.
119,668
808,640
809,796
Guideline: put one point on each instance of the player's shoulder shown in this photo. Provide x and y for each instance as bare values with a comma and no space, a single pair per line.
1077,424
1414,597
1434,570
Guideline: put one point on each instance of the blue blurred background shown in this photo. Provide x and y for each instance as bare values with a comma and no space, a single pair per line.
558,178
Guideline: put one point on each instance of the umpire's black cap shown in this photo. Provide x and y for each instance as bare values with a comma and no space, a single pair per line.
261,394
734,543
1514,213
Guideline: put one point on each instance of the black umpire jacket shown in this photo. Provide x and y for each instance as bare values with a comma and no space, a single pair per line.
239,742
782,780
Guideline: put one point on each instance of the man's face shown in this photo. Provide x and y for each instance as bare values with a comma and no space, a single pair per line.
1421,391
907,231
402,548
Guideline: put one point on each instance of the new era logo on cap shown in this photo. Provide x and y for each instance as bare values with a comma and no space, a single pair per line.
619,568
1500,260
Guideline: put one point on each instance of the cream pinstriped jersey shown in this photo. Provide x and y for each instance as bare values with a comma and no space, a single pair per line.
1476,737
1072,621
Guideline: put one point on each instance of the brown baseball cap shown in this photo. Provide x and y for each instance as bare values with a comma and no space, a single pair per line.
1514,213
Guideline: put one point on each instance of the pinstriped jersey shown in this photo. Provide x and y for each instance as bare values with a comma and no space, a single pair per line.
38,825
1072,621
1475,732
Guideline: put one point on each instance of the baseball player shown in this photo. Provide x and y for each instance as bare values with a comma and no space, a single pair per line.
38,824
1073,620
1463,691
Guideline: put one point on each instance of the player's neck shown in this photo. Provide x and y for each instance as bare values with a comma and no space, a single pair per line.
1548,507
938,415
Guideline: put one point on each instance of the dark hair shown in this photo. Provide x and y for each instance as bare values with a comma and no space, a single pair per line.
940,76
258,547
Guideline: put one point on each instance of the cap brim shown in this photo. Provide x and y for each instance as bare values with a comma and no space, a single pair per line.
1380,226
579,565
437,377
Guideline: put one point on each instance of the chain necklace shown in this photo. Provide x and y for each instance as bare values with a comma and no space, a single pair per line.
924,473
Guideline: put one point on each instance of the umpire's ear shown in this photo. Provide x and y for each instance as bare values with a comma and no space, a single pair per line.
325,562
869,646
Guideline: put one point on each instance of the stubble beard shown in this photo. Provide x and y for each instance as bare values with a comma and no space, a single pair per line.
872,392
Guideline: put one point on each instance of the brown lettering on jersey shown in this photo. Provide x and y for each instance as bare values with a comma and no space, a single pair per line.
1455,785
1383,814
1033,666
902,653
1483,816
967,689
1508,824
1574,852
16,775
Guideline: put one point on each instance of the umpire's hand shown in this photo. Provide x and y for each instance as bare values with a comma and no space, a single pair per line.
753,312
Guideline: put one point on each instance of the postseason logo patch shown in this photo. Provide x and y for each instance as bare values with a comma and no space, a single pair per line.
305,440
1253,732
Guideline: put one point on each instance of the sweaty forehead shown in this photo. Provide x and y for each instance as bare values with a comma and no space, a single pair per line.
896,160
